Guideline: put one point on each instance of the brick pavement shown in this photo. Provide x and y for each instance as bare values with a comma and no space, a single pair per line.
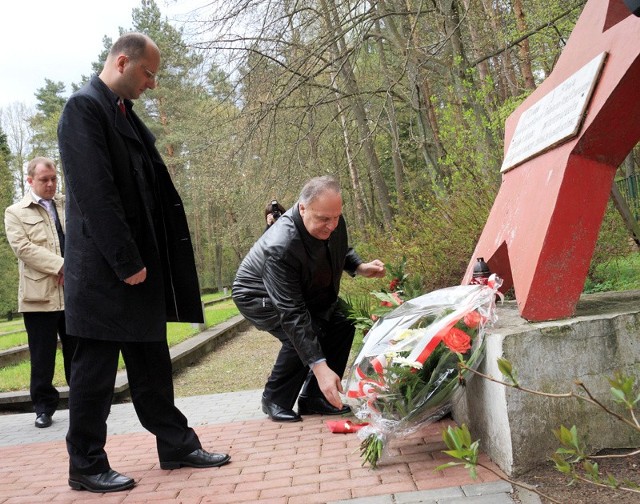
272,463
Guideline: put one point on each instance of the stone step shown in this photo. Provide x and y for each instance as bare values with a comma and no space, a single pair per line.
183,354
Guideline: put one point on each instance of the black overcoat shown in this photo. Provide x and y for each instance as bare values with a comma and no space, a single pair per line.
122,214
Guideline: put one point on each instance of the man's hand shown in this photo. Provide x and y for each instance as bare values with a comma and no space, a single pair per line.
373,269
139,277
329,383
61,276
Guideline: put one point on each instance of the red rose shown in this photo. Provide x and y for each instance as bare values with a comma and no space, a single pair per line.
457,340
394,284
472,319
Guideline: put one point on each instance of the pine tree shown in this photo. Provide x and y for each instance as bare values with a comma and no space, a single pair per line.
8,261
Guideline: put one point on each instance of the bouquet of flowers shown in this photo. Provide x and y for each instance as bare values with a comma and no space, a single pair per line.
408,369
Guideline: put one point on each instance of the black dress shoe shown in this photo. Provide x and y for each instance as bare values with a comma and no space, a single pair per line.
198,458
108,481
319,406
43,420
278,413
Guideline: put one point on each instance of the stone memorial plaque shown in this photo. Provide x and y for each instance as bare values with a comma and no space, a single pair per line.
556,117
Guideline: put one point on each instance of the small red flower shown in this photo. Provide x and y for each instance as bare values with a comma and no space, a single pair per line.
394,284
457,340
472,319
386,303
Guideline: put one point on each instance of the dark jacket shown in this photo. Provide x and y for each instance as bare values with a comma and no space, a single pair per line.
123,213
286,281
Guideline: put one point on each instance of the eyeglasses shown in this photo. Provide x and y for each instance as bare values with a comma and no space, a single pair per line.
150,75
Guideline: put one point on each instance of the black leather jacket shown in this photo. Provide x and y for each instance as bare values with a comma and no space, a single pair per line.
286,281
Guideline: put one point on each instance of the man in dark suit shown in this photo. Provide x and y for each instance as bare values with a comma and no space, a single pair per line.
129,268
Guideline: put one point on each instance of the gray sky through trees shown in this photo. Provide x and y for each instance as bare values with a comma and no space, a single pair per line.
59,40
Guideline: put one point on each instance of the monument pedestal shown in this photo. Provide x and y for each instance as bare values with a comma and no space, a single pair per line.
515,427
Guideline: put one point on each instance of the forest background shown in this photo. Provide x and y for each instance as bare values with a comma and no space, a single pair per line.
403,100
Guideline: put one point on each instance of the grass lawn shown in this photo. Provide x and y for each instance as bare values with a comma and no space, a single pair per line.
215,295
13,340
17,377
617,275
11,325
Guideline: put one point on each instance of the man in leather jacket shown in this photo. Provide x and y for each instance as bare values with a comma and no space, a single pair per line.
288,285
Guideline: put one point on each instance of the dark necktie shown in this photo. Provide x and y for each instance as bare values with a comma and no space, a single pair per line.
50,206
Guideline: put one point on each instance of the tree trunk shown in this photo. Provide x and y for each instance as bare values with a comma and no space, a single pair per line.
402,37
218,267
396,156
362,210
460,74
525,55
507,77
483,67
347,76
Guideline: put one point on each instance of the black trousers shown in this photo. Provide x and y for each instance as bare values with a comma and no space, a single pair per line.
93,374
289,374
43,330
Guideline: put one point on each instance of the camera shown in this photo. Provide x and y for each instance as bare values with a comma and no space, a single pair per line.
275,211
633,6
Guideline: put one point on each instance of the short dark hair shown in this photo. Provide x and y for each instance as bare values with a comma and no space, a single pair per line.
269,208
132,44
317,186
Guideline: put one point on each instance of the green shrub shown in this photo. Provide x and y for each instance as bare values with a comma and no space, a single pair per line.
436,233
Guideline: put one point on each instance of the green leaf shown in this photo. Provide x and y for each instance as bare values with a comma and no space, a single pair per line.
457,454
591,470
561,464
612,482
618,395
506,369
505,366
446,466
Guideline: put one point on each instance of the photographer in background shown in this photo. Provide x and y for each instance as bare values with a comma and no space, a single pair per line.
272,212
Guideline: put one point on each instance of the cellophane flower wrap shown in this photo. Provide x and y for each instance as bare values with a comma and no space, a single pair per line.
407,372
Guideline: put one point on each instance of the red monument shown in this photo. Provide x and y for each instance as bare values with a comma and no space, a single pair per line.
562,148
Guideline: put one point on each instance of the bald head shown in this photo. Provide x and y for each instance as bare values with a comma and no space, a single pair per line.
131,44
132,65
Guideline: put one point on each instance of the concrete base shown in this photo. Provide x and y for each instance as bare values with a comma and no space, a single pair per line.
515,427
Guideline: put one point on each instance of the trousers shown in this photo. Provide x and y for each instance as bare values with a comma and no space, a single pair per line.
291,377
93,373
43,330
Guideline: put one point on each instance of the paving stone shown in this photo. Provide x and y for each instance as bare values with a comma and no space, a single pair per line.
272,463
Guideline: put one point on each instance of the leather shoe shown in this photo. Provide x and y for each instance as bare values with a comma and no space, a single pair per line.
319,406
278,413
108,481
43,420
197,458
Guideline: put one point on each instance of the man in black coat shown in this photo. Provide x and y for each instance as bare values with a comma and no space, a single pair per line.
129,268
288,285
